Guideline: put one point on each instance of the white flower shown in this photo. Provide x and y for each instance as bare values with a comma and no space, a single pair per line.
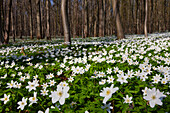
5,99
107,93
33,99
22,103
70,79
122,78
107,107
145,91
44,85
4,76
60,94
164,81
52,82
110,79
46,111
11,85
44,92
153,97
103,81
143,76
109,71
127,99
86,112
32,85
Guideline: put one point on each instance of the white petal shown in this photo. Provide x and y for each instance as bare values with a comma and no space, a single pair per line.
148,97
62,100
152,103
158,101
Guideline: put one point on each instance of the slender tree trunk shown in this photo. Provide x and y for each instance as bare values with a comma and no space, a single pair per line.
48,20
96,23
83,15
152,20
12,27
31,21
137,17
104,10
38,20
101,19
146,16
120,33
1,25
8,20
75,18
86,20
64,12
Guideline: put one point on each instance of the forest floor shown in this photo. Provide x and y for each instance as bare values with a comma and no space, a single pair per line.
96,75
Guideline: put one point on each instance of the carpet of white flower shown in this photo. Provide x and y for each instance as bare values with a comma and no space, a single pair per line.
90,77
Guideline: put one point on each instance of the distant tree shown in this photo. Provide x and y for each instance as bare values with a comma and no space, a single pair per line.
96,21
120,32
48,20
38,19
86,19
146,16
1,25
64,12
31,20
8,20
101,19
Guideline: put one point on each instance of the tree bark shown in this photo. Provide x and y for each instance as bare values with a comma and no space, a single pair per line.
12,26
31,20
64,12
101,19
86,20
48,20
120,33
1,25
96,23
38,20
146,16
8,20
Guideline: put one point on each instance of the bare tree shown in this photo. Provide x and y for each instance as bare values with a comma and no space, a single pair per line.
1,26
48,20
146,15
101,19
64,12
38,19
120,33
86,19
31,20
8,19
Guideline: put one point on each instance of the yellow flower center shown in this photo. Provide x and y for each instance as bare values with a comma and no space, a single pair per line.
127,100
6,99
60,93
22,103
33,98
153,97
108,92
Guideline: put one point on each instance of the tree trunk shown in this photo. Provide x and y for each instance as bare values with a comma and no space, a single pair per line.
48,21
74,18
31,21
38,20
64,12
1,25
146,16
12,26
120,33
96,23
86,20
8,20
101,19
